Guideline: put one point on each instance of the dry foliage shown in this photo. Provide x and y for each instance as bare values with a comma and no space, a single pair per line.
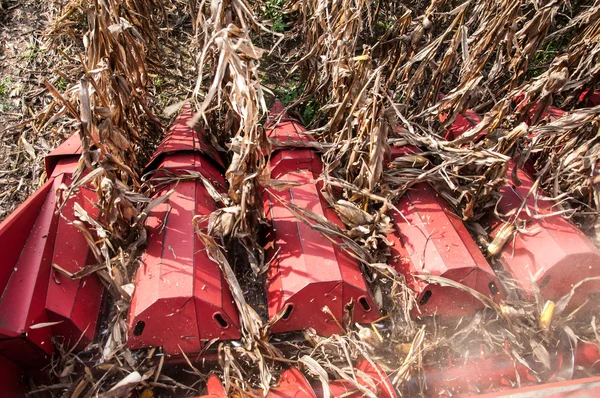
231,109
383,74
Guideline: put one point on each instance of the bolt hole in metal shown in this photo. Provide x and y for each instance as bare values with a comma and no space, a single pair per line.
139,328
220,320
288,311
364,303
493,288
425,297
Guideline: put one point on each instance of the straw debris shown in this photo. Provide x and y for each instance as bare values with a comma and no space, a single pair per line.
366,76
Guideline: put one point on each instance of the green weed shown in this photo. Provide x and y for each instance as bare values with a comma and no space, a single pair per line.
290,93
544,56
4,86
274,12
61,84
385,25
287,94
31,53
158,83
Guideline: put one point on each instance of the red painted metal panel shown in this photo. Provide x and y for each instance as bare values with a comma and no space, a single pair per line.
162,312
74,303
434,241
65,166
405,150
287,130
554,253
284,161
582,388
216,312
383,384
29,236
495,373
22,303
182,298
292,384
377,383
462,123
549,114
304,275
71,148
500,375
182,138
180,163
430,239
15,230
214,388
591,99
308,271
23,352
11,379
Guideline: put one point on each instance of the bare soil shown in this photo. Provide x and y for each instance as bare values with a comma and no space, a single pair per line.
24,64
